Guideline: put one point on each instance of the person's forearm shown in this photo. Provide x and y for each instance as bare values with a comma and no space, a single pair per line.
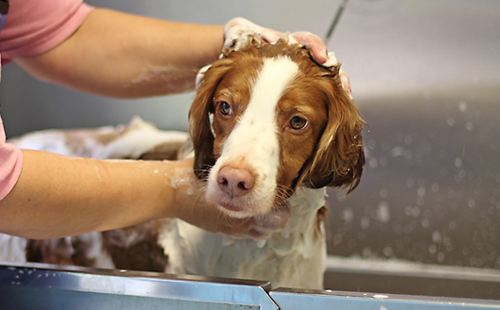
59,196
121,55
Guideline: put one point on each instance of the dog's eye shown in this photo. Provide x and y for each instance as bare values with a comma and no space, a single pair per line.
225,108
298,123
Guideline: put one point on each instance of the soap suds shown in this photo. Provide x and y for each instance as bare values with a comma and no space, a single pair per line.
97,173
183,177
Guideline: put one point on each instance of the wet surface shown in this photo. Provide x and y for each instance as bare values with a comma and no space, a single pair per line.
423,286
431,188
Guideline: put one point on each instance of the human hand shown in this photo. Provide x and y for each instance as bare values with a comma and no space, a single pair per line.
236,30
345,82
193,208
314,44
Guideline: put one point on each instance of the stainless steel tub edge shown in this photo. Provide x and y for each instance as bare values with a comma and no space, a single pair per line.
41,286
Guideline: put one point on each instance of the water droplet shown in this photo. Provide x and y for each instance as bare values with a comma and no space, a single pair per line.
415,211
440,257
408,210
421,191
383,213
425,223
397,151
373,163
436,236
452,225
365,222
462,106
460,175
348,215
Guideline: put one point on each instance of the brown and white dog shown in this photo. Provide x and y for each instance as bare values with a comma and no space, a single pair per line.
270,129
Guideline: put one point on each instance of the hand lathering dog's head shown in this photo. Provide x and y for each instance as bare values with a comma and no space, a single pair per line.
267,119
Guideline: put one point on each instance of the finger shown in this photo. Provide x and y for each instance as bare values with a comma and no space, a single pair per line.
314,44
345,82
257,227
274,220
269,35
259,234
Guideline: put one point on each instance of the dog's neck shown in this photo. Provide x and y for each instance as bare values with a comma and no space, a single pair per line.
292,257
304,205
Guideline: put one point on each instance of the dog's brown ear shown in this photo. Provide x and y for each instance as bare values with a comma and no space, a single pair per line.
200,127
338,160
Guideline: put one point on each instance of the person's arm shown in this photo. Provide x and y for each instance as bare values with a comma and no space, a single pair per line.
58,196
123,55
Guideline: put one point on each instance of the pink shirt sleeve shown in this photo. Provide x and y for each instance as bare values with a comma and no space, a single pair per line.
35,26
11,160
32,27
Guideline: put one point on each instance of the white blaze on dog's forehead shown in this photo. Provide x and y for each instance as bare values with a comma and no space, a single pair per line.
271,83
256,130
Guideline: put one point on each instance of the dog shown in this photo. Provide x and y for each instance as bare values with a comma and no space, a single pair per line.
270,130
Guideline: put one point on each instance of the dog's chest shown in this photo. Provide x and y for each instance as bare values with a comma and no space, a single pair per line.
294,257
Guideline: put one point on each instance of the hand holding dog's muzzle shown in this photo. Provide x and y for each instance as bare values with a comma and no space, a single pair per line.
193,208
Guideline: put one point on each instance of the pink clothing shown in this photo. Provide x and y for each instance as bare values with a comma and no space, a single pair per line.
11,161
35,26
32,27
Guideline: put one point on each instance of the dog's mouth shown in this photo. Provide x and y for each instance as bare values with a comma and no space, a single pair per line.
258,199
236,210
232,207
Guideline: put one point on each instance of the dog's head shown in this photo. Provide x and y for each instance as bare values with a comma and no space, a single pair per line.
267,119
